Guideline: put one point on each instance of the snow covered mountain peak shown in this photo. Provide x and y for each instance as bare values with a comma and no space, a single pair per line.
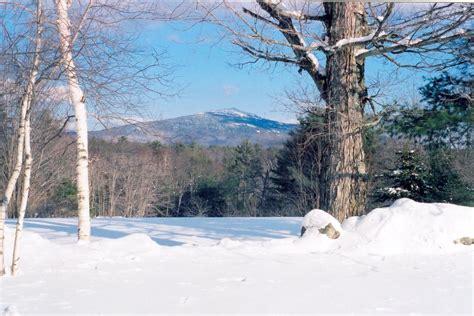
231,112
223,127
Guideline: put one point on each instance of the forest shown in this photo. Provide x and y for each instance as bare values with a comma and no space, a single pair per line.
422,151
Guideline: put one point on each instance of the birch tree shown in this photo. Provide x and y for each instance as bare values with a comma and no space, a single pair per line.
24,195
27,141
78,101
108,69
7,195
331,42
23,144
121,76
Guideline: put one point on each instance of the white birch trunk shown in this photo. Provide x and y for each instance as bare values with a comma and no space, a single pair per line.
23,145
13,179
78,102
24,195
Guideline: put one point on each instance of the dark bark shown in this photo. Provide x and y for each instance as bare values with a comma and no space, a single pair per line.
343,178
343,187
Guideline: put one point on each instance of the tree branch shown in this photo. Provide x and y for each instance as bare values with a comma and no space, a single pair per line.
415,43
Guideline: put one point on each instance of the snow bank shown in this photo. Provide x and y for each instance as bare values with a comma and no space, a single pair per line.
411,227
406,227
137,242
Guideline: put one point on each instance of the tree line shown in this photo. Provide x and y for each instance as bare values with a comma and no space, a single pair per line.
430,162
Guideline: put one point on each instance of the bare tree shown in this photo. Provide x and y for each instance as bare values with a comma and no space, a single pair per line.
80,113
23,141
99,60
27,141
330,42
24,195
58,61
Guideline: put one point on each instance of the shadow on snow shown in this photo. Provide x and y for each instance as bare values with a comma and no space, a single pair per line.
176,231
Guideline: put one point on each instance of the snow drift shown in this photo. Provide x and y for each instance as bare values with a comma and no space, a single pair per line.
405,227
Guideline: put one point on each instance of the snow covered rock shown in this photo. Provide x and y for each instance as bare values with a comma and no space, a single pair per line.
321,222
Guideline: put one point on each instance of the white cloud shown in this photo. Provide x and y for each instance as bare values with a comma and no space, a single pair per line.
230,90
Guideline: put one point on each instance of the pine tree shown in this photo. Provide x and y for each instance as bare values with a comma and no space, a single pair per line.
243,172
408,179
296,176
445,182
446,117
443,124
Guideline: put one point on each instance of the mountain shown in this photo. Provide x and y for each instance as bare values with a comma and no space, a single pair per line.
226,127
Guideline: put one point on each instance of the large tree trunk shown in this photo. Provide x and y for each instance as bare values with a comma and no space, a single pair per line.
343,183
78,102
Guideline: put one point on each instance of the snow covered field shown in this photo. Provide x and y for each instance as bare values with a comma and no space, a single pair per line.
396,260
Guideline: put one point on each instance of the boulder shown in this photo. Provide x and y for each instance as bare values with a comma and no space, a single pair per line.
465,241
321,222
330,231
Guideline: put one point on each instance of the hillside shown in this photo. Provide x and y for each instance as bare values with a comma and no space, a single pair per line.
227,127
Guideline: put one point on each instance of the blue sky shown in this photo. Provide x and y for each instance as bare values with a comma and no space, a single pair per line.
211,80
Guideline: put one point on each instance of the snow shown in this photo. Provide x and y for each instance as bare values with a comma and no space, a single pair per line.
399,260
361,51
284,11
357,40
319,219
231,112
321,70
407,41
243,124
395,191
410,227
314,60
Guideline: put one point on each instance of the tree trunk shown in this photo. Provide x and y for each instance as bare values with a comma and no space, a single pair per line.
80,113
343,181
24,195
112,189
23,136
27,143
15,174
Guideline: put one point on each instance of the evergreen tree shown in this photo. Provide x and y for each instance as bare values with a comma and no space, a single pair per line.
296,176
243,173
443,124
446,116
446,119
424,178
207,200
446,184
408,179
